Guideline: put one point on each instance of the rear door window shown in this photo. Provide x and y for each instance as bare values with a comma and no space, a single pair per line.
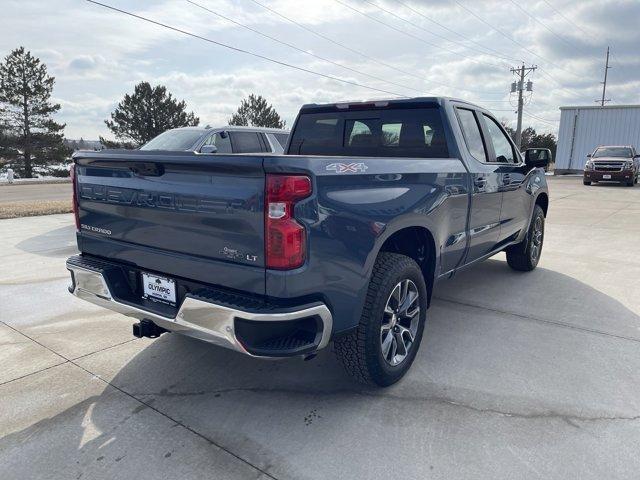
502,147
245,142
407,132
222,144
472,134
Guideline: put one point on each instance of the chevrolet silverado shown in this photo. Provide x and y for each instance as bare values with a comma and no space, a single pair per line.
341,239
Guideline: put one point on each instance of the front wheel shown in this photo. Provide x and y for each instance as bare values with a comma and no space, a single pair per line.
586,182
383,346
525,255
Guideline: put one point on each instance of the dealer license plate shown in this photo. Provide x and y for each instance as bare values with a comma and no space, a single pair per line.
159,288
606,177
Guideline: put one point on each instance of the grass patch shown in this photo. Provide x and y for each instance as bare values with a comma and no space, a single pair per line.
33,208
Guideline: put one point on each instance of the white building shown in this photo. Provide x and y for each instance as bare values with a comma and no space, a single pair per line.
584,128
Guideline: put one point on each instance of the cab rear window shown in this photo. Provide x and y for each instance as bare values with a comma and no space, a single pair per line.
416,132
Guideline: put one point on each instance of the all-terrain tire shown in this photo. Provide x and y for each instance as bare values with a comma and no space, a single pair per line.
360,352
525,255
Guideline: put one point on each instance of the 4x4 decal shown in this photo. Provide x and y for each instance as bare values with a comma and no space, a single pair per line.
347,167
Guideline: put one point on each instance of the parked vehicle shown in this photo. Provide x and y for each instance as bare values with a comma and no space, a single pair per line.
343,238
613,164
220,140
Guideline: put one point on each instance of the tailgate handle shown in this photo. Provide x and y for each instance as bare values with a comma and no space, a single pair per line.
147,169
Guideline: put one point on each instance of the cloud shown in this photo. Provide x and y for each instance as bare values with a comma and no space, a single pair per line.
97,55
86,62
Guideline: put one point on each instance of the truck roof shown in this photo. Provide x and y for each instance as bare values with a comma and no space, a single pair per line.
382,103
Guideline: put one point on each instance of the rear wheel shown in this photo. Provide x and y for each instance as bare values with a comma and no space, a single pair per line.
525,255
383,346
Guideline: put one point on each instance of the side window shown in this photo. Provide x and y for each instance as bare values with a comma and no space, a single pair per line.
222,144
428,134
266,146
391,134
501,144
472,135
358,134
282,138
317,134
245,142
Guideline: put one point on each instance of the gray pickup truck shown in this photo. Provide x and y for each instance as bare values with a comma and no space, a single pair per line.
343,238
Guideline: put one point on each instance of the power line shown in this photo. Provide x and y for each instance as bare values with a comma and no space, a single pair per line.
419,27
544,25
559,85
501,32
362,54
497,53
567,19
540,69
403,32
553,123
240,50
294,47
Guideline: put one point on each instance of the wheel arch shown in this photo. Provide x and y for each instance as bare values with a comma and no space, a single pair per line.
543,200
418,243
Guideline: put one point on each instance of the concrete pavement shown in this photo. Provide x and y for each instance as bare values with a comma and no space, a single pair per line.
519,375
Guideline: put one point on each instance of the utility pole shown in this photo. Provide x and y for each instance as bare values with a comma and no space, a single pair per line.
519,87
602,101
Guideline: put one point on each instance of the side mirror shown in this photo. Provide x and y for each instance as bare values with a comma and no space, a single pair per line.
208,149
537,157
636,156
588,155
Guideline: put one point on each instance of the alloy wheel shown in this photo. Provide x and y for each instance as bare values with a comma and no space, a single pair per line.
400,322
536,239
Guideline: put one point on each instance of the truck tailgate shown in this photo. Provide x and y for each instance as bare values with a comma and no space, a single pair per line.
193,216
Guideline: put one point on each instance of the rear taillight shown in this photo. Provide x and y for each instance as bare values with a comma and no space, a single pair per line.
74,204
285,239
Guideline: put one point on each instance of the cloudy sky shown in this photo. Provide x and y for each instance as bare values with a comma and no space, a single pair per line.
460,48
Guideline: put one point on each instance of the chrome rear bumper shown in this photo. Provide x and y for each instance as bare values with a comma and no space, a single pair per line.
196,317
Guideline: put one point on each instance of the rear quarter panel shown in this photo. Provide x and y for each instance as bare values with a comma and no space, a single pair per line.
352,213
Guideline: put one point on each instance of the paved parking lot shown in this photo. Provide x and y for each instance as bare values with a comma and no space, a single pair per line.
519,375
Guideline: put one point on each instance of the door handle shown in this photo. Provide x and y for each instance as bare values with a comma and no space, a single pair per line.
480,182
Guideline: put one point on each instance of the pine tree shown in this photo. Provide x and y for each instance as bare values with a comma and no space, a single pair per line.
145,114
254,111
31,138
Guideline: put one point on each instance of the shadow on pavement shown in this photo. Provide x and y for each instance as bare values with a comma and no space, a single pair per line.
280,414
42,244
